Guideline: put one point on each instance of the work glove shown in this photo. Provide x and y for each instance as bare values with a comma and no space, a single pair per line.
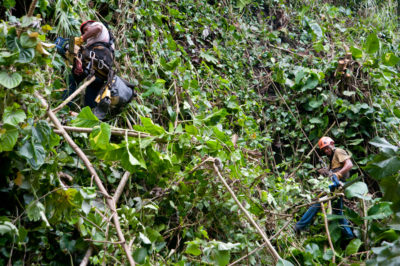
79,41
335,183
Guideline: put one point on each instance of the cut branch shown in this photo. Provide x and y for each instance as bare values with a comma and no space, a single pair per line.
115,131
271,249
327,232
89,166
73,95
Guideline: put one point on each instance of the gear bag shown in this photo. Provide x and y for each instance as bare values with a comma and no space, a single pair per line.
113,97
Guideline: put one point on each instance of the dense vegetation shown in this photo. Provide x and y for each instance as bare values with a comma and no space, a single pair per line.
227,90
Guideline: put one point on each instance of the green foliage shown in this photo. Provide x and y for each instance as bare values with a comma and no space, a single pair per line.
206,72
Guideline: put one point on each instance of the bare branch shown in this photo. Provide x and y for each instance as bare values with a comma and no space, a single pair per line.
74,94
89,166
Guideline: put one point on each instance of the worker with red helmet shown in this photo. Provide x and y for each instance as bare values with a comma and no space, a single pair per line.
95,55
340,166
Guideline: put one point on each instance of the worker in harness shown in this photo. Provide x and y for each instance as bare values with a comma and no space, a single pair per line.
93,54
340,166
93,34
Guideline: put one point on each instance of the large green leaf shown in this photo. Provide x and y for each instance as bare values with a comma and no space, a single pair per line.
193,249
383,144
33,152
140,255
353,246
150,127
390,59
221,257
379,211
13,115
42,133
8,137
356,52
358,190
100,137
86,118
26,55
28,42
7,58
10,81
372,44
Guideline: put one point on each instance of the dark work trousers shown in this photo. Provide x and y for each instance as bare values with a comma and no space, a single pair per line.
337,208
91,91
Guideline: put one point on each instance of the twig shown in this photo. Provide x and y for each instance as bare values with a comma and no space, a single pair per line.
271,249
365,214
74,94
92,171
31,8
103,241
327,232
65,176
355,254
88,254
121,186
177,105
262,246
323,199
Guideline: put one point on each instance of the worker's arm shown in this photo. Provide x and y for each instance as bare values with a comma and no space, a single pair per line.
92,31
345,169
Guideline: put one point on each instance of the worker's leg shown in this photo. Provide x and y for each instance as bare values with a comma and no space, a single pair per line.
73,83
92,91
344,223
307,217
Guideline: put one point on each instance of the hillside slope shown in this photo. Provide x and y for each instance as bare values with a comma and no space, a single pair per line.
232,99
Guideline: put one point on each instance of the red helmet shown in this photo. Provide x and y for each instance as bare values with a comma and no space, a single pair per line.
84,23
325,141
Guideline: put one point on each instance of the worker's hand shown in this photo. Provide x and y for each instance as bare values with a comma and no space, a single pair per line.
336,183
78,70
323,171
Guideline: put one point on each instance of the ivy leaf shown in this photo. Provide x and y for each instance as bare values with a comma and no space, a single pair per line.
34,153
316,29
193,249
86,118
353,246
156,88
144,239
10,81
222,257
150,127
372,44
208,58
7,227
8,137
356,52
358,190
9,4
33,210
140,255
